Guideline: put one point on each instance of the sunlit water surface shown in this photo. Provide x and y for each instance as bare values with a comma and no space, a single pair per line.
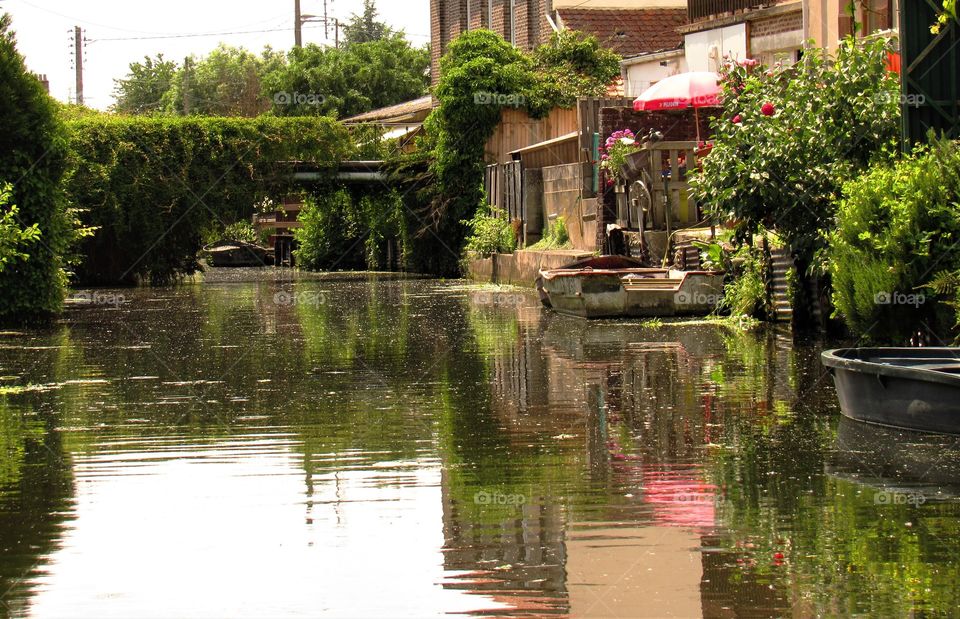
423,448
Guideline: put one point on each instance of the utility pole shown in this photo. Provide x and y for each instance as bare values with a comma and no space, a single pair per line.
297,24
299,19
78,61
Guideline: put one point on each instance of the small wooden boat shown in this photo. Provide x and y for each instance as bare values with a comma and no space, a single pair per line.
914,388
617,286
238,254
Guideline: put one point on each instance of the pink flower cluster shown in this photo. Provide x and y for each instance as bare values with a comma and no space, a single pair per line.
616,136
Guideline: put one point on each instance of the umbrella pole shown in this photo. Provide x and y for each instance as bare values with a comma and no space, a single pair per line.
696,115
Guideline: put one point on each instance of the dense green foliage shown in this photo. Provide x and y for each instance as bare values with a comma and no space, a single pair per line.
481,74
142,91
555,236
490,233
745,293
573,64
154,186
33,158
897,227
349,80
788,137
227,82
14,238
373,68
337,222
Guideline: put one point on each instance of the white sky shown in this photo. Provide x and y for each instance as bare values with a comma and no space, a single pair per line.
44,32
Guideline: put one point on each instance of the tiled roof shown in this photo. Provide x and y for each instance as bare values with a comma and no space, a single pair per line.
397,113
629,31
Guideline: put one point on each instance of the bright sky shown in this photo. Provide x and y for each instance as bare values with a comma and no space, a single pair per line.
45,32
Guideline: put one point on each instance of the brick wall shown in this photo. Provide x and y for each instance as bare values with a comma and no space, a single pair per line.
448,19
777,24
675,126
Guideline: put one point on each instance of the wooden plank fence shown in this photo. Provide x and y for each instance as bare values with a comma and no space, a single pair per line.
588,114
503,184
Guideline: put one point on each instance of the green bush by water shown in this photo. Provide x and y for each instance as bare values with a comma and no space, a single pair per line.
490,233
344,229
153,187
898,227
554,237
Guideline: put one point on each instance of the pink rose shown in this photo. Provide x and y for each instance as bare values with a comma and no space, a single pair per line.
737,119
767,109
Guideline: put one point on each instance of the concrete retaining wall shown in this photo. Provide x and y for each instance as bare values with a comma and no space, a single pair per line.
520,268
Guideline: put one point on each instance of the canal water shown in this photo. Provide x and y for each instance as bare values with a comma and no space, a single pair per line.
428,448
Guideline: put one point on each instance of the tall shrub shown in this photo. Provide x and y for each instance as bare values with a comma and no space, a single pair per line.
897,227
788,137
152,186
14,238
32,157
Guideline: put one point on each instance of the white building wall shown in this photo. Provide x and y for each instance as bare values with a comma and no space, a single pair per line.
643,75
705,50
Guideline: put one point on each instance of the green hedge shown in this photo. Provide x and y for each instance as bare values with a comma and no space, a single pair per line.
32,159
153,186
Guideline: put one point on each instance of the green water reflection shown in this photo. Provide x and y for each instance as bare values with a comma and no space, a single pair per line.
450,451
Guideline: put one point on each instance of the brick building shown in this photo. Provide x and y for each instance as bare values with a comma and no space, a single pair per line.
525,23
628,27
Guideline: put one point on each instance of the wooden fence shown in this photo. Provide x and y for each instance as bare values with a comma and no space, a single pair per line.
517,130
588,115
504,187
663,168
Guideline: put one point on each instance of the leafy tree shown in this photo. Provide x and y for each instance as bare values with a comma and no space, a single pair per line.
13,237
788,137
344,82
142,90
33,154
365,28
225,83
573,64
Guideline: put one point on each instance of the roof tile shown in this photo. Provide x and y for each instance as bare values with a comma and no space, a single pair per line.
629,31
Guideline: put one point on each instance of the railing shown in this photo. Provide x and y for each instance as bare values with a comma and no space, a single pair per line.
665,203
702,9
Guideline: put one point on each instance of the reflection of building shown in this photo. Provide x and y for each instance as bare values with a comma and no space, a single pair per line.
518,562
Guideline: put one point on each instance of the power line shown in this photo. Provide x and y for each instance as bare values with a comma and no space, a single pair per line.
191,35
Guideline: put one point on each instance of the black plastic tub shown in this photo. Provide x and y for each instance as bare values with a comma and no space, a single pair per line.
914,388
